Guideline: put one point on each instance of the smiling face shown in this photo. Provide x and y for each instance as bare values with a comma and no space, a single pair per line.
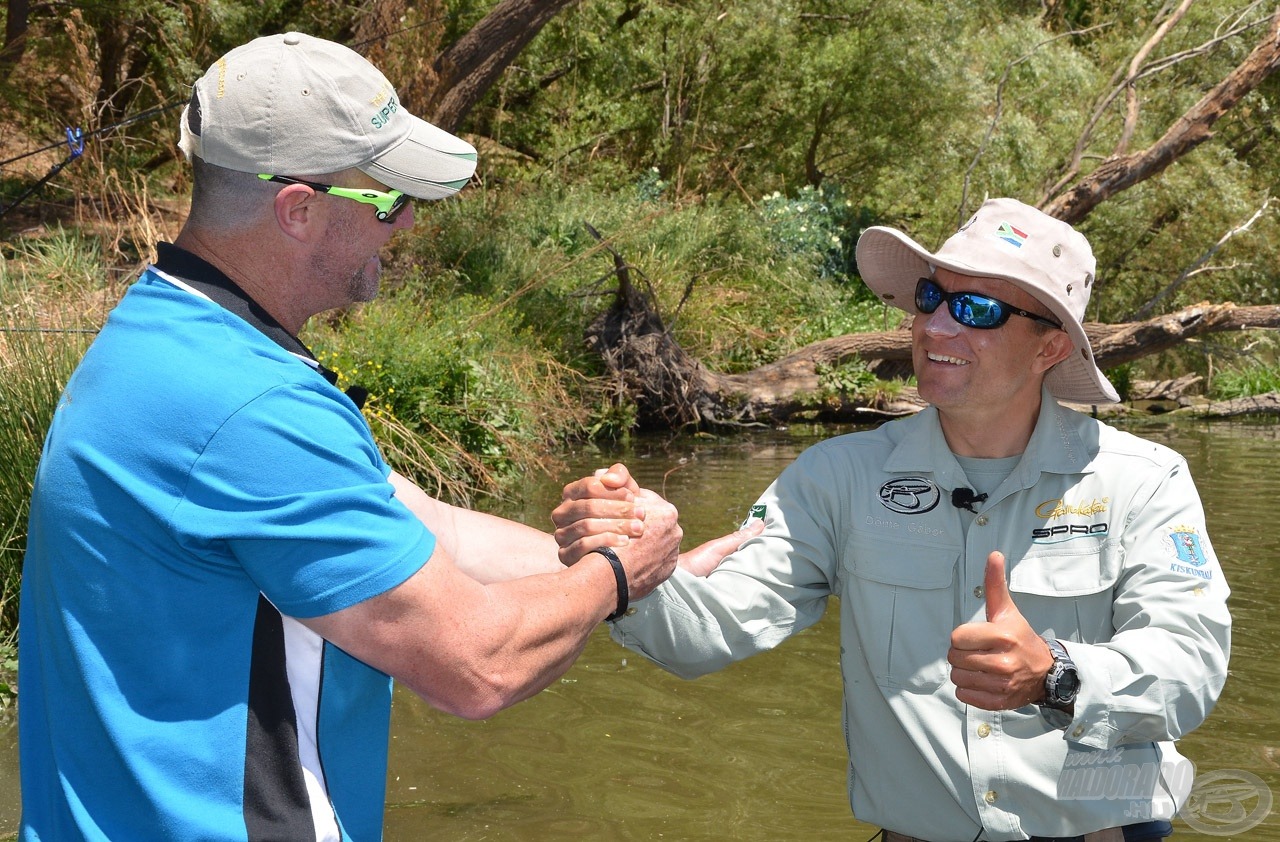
985,383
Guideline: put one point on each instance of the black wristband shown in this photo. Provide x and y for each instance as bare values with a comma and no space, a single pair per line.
619,574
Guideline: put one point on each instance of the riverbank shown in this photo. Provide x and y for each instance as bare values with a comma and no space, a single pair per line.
1146,400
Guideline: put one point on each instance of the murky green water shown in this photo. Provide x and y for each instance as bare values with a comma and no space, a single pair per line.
618,749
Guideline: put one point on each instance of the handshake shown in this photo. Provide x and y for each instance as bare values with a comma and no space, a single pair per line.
610,510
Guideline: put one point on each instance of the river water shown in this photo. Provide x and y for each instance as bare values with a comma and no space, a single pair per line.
620,750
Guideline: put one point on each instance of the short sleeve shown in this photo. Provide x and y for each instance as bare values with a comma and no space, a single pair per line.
292,489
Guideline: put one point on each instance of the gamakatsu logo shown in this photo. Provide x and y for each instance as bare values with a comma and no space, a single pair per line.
909,495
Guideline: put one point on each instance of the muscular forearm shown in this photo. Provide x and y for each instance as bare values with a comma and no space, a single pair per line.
485,547
472,649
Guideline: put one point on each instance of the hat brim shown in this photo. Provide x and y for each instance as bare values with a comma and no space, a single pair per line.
891,263
429,163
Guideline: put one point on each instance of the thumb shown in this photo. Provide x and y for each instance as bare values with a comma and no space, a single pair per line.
999,601
617,476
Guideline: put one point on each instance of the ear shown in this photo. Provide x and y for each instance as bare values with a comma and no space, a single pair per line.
1055,346
298,213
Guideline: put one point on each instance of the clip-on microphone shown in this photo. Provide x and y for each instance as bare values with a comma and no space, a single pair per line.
964,498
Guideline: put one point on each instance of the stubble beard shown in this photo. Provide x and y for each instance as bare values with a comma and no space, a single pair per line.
365,281
360,284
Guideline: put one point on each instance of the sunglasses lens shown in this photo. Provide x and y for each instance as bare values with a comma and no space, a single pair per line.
401,202
977,310
928,296
968,308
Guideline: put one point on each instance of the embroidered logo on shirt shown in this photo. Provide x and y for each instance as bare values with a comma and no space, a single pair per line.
757,513
910,495
1069,532
1183,543
1059,507
1050,509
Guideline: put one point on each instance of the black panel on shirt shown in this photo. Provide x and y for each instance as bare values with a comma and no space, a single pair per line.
276,804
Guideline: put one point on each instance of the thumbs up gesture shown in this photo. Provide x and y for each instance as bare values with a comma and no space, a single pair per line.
999,664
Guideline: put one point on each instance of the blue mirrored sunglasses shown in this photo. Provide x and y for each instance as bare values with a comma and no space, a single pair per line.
971,309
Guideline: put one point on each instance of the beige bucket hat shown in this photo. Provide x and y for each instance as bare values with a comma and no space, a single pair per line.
1014,242
296,105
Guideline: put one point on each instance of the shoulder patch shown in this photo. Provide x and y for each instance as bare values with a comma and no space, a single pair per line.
1182,544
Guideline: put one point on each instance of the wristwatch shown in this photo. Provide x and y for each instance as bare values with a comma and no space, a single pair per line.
1062,683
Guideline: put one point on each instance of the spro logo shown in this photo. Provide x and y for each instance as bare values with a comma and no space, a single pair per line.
1068,531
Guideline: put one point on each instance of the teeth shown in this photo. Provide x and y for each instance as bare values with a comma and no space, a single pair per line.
939,358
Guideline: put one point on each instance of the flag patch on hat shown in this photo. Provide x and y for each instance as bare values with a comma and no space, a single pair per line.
1011,235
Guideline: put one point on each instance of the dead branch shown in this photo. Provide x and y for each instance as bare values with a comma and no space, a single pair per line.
1135,67
1121,85
1120,172
1195,268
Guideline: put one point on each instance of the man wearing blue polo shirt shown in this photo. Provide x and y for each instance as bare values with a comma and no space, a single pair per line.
223,574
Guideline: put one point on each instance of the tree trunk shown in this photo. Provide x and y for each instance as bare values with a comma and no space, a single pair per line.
467,70
17,13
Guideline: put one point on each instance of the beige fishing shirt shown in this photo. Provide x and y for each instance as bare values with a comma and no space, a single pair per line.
1106,550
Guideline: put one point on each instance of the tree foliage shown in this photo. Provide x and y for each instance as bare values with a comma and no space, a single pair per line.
910,112
731,151
917,111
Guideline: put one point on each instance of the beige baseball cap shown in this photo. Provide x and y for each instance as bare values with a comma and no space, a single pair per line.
296,105
1014,242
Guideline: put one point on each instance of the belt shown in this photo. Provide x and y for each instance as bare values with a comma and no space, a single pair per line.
1113,834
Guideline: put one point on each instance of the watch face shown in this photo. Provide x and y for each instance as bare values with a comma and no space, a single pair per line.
1068,685
1063,681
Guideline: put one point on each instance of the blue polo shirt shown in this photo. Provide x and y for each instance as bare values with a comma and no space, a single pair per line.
200,487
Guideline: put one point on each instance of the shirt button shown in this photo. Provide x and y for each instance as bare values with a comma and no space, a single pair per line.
990,797
979,592
1079,732
984,730
981,520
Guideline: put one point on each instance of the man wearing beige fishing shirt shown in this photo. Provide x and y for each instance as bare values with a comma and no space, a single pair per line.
1031,611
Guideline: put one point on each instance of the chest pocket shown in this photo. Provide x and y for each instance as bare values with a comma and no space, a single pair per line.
1065,590
898,595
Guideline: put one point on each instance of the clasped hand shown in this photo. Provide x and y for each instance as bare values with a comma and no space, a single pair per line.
999,664
609,509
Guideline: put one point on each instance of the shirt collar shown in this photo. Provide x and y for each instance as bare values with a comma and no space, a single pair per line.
1057,445
213,283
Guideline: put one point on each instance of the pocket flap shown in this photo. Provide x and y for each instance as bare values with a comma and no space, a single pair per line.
1066,573
915,565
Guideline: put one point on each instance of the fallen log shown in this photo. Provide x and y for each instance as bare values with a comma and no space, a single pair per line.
1268,404
1163,390
672,389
